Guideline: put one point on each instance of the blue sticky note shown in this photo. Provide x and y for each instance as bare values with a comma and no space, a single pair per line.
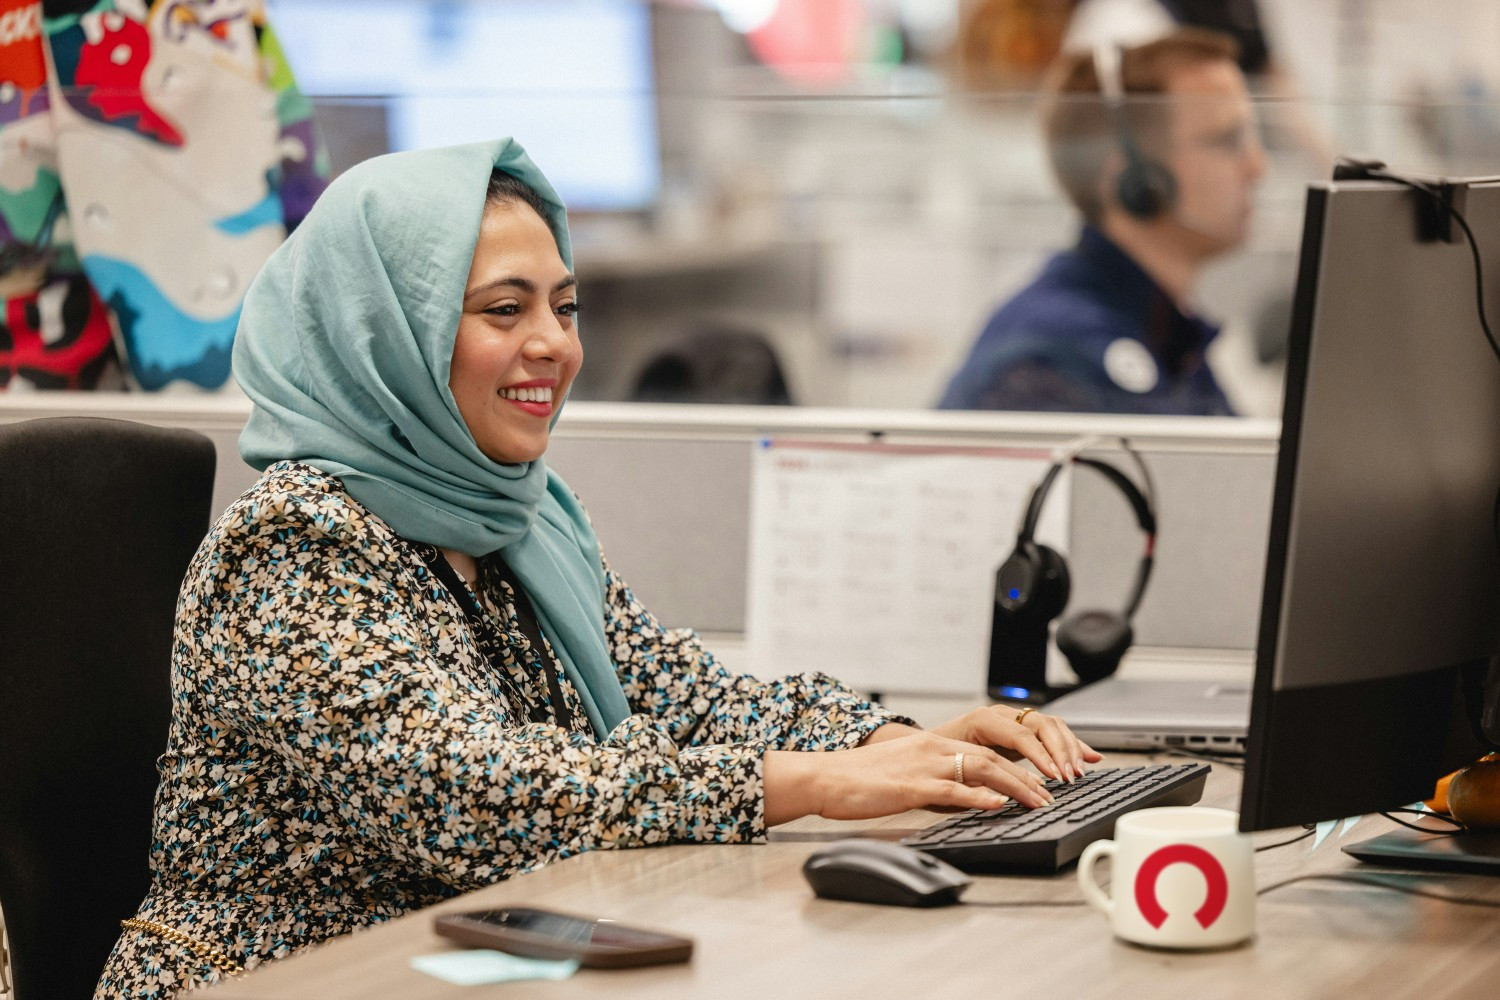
477,966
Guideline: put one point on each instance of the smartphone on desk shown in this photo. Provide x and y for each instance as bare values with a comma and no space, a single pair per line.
596,943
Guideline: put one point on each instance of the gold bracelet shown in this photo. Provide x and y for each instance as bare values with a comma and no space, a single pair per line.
208,953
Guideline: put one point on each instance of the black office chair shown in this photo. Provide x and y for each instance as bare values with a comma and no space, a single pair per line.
98,521
714,366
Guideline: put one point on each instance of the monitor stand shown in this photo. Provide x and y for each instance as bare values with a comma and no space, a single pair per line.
1476,853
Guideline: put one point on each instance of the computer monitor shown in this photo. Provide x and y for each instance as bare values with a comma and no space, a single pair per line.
572,80
1381,607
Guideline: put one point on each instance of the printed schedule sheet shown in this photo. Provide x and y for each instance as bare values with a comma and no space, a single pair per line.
875,562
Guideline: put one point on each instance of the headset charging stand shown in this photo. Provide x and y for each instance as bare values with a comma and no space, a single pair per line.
1032,587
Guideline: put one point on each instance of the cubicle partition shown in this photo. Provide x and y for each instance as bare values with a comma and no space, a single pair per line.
668,488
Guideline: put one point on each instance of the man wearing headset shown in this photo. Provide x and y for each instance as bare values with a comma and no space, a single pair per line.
1156,146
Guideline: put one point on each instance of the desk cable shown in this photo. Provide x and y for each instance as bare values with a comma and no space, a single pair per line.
1454,829
1375,882
1309,829
1446,211
1282,843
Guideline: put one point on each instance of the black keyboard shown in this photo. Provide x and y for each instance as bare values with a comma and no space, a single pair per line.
1018,839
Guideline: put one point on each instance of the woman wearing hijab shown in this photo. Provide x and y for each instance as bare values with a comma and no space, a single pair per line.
402,669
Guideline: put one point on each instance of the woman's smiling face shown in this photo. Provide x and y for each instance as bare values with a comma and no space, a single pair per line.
517,350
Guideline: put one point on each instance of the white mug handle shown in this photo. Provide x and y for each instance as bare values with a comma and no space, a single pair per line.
1094,895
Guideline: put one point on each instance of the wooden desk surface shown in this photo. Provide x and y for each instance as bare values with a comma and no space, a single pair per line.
761,933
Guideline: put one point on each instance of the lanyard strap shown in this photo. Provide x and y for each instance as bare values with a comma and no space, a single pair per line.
490,639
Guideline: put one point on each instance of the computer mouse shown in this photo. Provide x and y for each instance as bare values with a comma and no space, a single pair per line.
878,871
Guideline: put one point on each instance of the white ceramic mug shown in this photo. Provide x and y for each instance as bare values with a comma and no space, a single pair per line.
1182,877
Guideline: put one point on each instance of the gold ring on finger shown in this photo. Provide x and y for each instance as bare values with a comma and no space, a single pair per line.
1021,715
958,768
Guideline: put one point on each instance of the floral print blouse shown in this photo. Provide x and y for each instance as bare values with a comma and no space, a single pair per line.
342,749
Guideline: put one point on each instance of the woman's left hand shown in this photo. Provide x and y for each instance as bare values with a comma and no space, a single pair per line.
1017,732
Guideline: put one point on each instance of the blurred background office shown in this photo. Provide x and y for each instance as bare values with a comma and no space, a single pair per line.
815,201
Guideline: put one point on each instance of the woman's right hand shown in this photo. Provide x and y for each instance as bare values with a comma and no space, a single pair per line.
882,779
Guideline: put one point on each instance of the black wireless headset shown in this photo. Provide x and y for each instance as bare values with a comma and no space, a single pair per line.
1146,188
1032,587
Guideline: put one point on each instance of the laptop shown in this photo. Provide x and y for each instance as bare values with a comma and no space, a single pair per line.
1151,714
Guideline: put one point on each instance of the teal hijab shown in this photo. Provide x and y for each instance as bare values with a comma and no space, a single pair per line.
344,346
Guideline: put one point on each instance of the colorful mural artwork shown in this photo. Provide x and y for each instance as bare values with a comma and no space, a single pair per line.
100,63
152,170
58,337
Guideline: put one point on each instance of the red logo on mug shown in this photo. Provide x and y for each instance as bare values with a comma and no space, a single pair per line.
1158,861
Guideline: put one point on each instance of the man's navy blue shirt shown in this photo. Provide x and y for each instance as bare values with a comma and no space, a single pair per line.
1092,334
